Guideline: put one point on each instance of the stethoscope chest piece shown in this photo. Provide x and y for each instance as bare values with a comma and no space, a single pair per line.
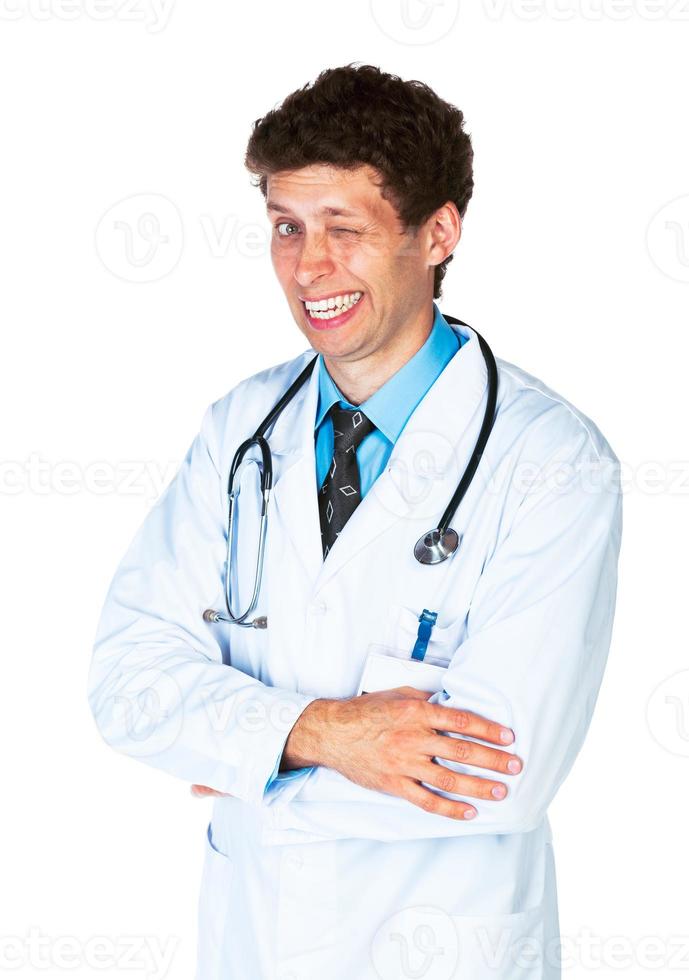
435,546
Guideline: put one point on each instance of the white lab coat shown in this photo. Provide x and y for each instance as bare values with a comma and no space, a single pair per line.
318,877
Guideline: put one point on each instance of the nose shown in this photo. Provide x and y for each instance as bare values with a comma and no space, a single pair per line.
313,260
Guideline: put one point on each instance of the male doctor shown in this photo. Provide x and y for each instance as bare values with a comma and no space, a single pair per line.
401,832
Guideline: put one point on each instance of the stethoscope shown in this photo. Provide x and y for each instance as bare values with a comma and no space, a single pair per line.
432,547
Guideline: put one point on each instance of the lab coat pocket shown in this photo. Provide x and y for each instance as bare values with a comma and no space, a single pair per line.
214,925
502,947
443,643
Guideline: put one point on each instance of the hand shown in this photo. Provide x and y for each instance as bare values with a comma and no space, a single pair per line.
387,740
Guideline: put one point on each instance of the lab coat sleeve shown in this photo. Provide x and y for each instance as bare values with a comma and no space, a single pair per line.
158,688
538,635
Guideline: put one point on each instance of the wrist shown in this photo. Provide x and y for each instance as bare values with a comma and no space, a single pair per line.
307,743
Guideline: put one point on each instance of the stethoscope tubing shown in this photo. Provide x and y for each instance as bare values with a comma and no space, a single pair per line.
486,427
436,545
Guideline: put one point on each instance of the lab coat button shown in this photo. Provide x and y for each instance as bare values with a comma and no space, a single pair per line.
318,607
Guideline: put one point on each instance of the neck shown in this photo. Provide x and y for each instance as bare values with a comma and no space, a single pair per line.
359,379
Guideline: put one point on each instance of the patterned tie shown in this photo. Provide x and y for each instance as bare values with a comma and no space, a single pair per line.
341,491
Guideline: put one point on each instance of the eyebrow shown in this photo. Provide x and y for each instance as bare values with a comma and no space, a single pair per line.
329,211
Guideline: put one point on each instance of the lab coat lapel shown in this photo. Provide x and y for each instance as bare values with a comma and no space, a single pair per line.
294,495
426,463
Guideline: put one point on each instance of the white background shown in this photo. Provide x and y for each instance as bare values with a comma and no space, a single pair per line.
574,264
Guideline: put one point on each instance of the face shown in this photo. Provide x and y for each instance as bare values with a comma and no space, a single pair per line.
336,240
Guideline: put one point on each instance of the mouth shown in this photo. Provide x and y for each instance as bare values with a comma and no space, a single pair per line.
328,312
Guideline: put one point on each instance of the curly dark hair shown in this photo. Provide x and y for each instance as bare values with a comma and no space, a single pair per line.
356,115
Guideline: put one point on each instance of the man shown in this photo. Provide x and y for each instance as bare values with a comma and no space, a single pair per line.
403,831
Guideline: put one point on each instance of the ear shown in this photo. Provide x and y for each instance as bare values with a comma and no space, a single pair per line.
444,231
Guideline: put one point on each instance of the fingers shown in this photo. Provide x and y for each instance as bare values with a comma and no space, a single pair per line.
472,754
460,783
431,802
463,722
203,791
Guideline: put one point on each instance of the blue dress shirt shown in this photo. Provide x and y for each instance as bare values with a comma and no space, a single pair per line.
389,408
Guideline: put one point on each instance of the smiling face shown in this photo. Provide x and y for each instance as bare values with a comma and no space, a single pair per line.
359,286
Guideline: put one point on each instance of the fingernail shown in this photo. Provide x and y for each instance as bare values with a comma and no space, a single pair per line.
506,735
514,765
469,814
498,792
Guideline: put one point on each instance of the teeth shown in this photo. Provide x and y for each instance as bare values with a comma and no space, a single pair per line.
326,309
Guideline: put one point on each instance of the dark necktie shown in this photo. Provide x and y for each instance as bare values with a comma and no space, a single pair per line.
340,494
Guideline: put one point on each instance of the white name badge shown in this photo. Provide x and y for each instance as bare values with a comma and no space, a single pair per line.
383,672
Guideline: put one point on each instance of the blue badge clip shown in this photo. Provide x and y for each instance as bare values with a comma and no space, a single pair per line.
426,623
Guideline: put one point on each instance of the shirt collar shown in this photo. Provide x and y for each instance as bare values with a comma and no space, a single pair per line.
391,405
